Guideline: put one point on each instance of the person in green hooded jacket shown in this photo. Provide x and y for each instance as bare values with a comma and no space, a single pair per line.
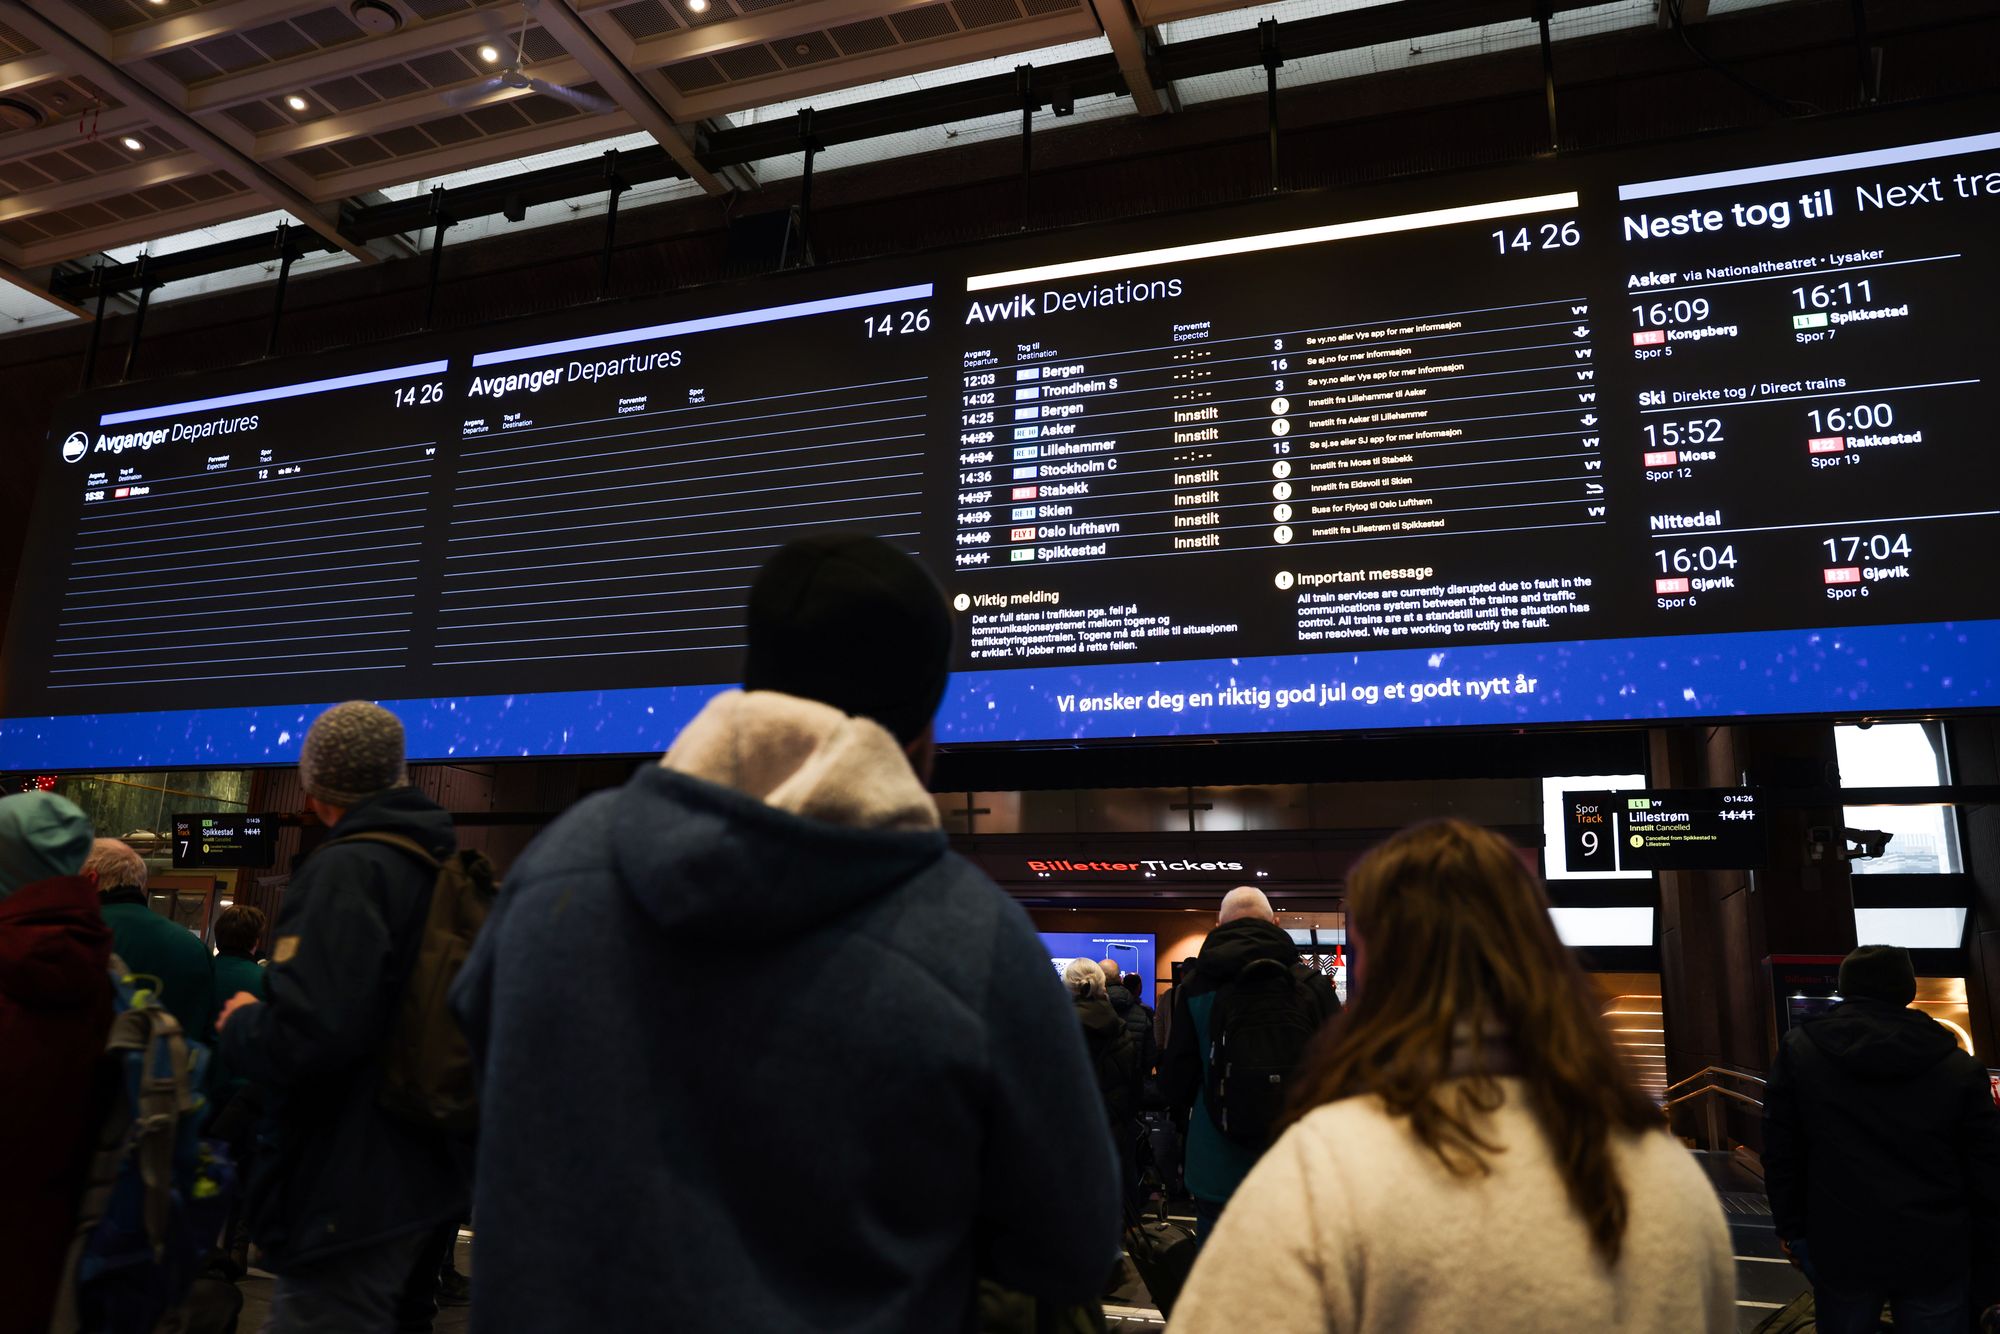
153,946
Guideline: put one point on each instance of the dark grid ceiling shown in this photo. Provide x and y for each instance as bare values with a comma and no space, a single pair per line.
125,120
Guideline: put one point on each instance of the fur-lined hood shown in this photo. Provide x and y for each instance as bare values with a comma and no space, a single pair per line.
775,809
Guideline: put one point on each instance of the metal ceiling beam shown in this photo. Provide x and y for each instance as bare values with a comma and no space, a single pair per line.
1130,43
240,253
213,20
105,185
114,234
1323,34
63,133
21,278
1089,76
587,48
27,71
986,43
446,161
196,136
768,25
636,166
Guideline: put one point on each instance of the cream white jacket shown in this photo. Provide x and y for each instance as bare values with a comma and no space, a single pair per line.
1350,1226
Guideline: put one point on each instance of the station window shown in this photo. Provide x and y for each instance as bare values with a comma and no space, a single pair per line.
1925,838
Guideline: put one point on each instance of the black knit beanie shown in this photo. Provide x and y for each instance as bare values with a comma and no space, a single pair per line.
850,621
1879,973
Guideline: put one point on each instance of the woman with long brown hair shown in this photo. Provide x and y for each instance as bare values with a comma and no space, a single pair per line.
1466,1150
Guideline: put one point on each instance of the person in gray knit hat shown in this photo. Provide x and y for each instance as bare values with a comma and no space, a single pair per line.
343,1196
352,752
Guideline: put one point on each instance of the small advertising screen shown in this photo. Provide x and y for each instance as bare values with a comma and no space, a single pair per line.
1692,829
1133,953
221,841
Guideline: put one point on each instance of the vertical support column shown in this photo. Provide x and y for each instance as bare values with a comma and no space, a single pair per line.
1024,83
138,319
96,325
617,186
1717,927
810,147
1975,755
1542,13
439,222
1864,55
1267,40
284,279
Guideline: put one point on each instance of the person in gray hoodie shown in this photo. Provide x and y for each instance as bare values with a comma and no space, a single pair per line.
649,1113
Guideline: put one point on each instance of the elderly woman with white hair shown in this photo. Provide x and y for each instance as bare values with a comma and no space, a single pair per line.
1113,1054
171,958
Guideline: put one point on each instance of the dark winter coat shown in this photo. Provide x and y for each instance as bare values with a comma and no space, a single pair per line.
163,950
234,972
1216,1164
1882,1148
652,1119
333,1170
55,1012
1115,1058
1138,1021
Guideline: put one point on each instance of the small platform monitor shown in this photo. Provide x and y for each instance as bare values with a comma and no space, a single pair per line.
1665,829
223,841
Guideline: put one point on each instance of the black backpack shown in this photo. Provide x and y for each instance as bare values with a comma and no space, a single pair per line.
428,1079
1258,1031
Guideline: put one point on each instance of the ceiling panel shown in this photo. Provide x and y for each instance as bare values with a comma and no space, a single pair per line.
14,44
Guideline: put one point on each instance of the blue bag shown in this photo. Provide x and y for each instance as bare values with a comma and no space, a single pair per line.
158,1192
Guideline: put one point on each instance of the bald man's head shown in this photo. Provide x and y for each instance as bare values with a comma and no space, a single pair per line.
1245,901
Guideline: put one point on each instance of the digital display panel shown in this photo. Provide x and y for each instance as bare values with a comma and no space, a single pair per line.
1132,953
205,841
1661,829
1690,432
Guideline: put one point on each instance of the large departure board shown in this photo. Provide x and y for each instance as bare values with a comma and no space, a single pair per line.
1688,433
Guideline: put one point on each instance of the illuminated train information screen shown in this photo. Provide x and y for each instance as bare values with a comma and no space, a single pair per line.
1691,433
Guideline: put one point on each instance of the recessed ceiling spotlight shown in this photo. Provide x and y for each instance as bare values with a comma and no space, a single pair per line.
697,6
801,49
490,54
131,143
295,102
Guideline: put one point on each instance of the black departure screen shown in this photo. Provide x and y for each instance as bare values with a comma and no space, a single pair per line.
1691,432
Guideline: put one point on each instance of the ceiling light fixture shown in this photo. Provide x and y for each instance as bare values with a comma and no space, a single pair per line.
697,6
376,17
131,143
295,102
490,54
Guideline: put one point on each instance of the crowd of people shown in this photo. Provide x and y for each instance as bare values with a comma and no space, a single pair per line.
944,1138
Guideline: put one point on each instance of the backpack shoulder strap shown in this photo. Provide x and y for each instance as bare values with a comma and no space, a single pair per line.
401,842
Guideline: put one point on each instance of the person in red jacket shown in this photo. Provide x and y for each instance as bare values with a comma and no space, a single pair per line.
55,1012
